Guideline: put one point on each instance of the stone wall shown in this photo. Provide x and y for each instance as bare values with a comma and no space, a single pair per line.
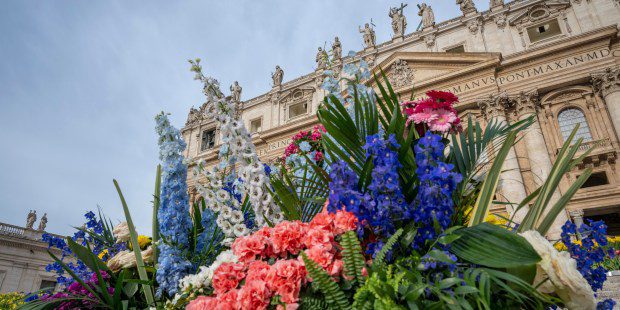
611,289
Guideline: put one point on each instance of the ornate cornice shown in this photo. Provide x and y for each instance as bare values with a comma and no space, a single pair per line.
607,82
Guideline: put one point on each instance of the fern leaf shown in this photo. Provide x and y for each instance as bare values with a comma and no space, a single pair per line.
313,303
380,257
352,257
330,289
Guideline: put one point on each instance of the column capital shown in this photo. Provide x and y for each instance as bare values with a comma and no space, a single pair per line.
526,103
606,82
494,106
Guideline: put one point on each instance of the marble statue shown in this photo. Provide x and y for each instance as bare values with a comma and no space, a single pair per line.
321,59
32,217
277,76
193,117
337,49
369,35
495,3
399,21
428,17
467,6
235,90
43,223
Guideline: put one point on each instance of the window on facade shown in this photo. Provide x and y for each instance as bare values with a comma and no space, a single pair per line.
570,118
47,284
544,31
208,139
596,179
256,125
297,109
456,49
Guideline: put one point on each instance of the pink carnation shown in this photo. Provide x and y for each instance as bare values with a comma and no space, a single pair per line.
287,237
319,237
227,276
285,278
248,248
344,221
228,301
318,156
323,220
320,255
254,295
257,271
202,303
294,306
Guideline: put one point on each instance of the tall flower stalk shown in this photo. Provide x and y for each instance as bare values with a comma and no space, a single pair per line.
173,214
237,150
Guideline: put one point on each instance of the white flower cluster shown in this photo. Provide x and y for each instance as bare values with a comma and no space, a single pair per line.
237,149
194,284
561,270
229,215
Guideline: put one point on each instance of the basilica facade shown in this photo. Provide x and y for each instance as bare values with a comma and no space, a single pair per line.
559,59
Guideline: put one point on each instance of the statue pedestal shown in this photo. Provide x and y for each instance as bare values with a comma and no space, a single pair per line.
398,38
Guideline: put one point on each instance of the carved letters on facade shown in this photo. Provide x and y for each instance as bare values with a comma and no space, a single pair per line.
401,74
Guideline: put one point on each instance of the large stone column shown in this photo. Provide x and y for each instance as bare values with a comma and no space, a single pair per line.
607,84
527,104
510,180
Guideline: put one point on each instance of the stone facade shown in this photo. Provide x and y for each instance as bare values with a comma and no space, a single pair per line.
23,257
558,59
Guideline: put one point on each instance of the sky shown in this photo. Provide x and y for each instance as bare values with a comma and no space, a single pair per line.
81,82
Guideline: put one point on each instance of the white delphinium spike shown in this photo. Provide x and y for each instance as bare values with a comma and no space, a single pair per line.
237,147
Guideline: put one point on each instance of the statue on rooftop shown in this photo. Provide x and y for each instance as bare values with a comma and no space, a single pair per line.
467,6
32,217
495,3
43,223
337,49
399,21
428,17
369,35
277,76
235,90
321,59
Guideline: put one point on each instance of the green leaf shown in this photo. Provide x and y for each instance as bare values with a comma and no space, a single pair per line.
87,256
154,222
492,246
352,257
148,293
485,197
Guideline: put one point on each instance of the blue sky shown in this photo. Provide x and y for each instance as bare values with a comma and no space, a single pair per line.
81,81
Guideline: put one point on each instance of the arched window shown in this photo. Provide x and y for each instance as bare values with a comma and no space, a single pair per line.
568,119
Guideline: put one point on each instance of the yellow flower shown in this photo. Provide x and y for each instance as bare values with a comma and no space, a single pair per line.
497,219
103,253
560,246
144,241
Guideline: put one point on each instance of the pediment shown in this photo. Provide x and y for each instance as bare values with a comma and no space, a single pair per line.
540,11
405,69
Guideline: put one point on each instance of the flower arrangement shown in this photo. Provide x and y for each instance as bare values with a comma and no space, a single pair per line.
305,142
393,216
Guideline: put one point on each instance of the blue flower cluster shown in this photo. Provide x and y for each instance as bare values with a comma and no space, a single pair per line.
173,215
93,225
433,202
589,254
383,205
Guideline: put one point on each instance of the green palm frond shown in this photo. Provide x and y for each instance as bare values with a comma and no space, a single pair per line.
536,217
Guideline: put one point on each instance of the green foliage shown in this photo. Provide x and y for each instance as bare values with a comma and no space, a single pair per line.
352,257
313,303
492,246
535,219
334,296
301,191
485,197
379,261
146,288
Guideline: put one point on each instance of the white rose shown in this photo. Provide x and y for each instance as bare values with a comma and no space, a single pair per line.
121,232
561,270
